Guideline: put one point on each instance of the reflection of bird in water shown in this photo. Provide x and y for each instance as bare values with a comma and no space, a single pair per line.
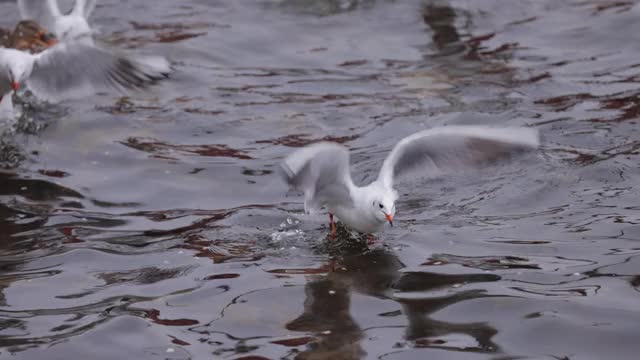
321,170
452,35
326,311
377,273
440,17
29,36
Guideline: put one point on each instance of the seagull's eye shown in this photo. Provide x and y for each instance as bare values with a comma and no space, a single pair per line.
381,206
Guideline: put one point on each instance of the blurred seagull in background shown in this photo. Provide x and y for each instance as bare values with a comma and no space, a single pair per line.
73,26
76,65
70,70
321,170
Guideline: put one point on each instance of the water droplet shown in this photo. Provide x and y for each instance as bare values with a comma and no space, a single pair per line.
171,350
332,292
326,332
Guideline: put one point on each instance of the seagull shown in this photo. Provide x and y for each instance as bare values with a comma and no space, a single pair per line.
74,66
73,69
73,26
321,170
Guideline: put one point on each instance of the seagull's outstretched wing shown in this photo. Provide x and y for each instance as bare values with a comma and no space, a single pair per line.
454,147
321,170
74,69
45,12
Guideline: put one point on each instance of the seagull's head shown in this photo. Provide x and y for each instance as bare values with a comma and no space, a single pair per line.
383,207
18,72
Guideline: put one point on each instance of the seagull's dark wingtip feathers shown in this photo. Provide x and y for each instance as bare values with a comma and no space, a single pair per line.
130,74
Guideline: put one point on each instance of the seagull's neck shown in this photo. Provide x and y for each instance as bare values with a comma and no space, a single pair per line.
8,55
12,58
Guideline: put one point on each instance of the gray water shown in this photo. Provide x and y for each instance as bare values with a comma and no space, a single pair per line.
154,227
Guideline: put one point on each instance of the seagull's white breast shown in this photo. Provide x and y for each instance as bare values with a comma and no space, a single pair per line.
357,219
359,216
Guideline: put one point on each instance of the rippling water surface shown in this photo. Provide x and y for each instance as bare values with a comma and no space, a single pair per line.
154,227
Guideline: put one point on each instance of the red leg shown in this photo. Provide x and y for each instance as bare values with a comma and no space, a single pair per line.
333,226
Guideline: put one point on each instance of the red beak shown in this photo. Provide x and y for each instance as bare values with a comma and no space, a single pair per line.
15,86
389,219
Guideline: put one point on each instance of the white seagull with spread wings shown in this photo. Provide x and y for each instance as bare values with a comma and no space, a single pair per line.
321,170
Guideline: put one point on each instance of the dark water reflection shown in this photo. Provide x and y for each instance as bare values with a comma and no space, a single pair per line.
154,226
